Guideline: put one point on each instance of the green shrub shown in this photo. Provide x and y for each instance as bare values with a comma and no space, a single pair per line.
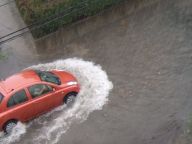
52,14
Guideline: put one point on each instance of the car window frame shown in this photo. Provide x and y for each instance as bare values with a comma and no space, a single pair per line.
32,98
12,94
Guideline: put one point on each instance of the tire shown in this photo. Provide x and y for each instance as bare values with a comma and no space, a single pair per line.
8,127
69,99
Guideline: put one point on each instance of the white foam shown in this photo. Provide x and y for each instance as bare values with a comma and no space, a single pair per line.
18,131
95,88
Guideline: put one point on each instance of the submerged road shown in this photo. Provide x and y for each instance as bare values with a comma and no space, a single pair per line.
146,49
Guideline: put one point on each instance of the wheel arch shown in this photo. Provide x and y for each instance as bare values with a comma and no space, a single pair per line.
68,94
6,122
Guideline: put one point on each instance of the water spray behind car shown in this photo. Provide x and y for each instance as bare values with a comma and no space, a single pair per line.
95,88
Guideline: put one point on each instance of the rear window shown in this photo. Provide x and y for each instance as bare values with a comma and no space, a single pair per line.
1,97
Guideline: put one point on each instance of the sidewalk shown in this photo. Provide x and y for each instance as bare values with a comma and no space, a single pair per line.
20,51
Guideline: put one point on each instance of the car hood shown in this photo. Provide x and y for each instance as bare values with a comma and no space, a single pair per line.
64,76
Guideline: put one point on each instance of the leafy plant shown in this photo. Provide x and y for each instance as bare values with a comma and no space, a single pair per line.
52,14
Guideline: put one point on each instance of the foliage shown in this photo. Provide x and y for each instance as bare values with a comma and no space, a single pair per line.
52,14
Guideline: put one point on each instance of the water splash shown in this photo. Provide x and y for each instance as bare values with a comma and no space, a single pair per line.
95,88
18,131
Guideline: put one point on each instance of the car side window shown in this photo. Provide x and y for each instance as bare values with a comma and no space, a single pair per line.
17,98
39,89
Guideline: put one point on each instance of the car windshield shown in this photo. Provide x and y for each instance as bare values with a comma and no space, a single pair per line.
48,77
1,98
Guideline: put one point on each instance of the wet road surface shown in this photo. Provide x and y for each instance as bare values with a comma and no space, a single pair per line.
147,53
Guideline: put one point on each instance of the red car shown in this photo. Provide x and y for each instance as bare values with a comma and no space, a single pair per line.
31,93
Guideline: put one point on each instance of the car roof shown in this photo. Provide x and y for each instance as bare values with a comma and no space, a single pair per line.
18,80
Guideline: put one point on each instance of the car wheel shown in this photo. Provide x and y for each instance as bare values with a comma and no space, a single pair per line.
9,126
69,99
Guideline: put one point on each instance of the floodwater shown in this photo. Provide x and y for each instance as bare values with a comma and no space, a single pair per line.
95,88
144,49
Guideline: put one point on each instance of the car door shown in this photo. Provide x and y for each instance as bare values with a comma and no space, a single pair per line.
43,97
18,106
